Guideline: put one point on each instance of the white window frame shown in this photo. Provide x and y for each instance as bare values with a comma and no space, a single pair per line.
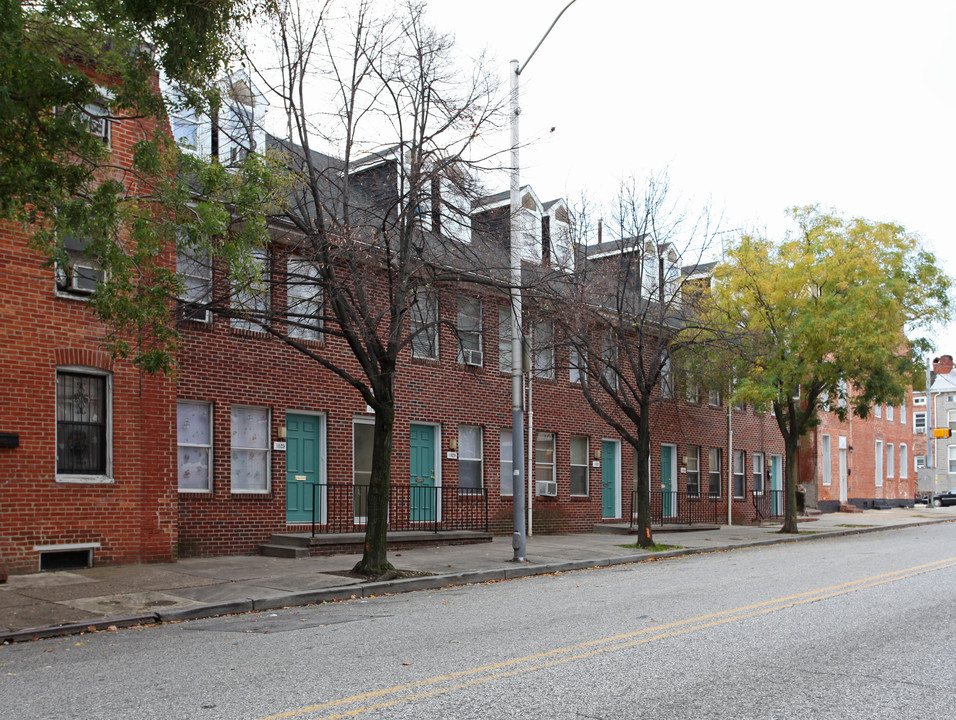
576,365
474,335
890,417
90,479
258,301
951,420
267,447
920,419
543,340
739,471
609,359
878,463
208,448
951,459
692,467
423,323
890,460
903,414
364,422
878,411
505,323
585,465
919,461
904,461
66,278
479,459
758,473
506,461
714,471
713,397
692,391
668,386
302,276
543,435
826,457
198,270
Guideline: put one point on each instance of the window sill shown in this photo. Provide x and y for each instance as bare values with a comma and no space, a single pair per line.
79,297
194,491
259,493
85,480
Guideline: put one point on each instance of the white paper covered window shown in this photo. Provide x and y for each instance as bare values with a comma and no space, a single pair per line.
194,444
250,449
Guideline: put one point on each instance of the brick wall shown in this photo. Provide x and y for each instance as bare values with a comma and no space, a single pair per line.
133,516
227,367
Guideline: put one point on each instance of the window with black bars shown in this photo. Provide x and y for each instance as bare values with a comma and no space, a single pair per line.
80,424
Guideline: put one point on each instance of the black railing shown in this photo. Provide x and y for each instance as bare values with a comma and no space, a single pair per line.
343,508
678,508
769,504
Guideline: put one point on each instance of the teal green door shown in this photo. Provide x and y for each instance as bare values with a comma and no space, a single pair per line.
668,481
422,447
776,484
608,479
303,467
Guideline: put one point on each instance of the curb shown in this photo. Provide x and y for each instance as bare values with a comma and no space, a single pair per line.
428,582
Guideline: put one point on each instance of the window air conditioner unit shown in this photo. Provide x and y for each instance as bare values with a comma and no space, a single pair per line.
193,312
546,488
474,358
99,127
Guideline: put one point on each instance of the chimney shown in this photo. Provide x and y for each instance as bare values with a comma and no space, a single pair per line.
943,365
600,229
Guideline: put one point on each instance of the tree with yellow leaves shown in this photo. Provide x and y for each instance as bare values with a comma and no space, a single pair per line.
832,316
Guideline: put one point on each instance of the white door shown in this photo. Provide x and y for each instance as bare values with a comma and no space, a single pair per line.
843,473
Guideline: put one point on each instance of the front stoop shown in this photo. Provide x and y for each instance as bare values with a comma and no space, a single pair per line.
847,508
625,529
299,545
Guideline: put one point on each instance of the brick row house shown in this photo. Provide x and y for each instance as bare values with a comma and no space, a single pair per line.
87,466
100,462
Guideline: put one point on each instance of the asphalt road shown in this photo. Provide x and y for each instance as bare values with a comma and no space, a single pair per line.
855,627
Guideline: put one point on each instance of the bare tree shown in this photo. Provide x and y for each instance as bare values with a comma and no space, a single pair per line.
623,314
379,131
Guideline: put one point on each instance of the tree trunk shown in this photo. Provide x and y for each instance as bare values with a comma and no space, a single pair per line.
644,537
375,556
790,486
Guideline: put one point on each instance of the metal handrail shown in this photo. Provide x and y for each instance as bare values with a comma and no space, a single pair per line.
343,508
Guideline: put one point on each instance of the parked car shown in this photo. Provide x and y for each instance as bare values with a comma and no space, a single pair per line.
946,498
921,498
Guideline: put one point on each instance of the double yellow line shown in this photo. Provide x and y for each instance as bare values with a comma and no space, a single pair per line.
443,684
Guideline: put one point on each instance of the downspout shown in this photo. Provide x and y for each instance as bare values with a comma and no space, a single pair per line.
730,459
532,486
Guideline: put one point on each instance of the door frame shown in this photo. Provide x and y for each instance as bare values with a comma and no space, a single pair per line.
776,482
843,468
617,477
357,420
436,450
673,489
322,519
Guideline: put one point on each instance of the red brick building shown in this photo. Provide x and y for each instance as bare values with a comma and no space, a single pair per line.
87,466
862,463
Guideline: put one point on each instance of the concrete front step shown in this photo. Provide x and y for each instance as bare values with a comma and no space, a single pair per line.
625,529
283,551
846,508
296,545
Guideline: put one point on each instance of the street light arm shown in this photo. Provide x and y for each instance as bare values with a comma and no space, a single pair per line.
520,68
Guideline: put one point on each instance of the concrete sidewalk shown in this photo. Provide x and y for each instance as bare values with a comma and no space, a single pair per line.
63,602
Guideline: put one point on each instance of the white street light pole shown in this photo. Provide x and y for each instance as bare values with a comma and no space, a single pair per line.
519,540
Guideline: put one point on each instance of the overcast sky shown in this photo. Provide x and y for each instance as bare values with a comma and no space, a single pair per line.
754,106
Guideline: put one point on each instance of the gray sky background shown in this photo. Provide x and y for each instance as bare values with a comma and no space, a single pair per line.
751,106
